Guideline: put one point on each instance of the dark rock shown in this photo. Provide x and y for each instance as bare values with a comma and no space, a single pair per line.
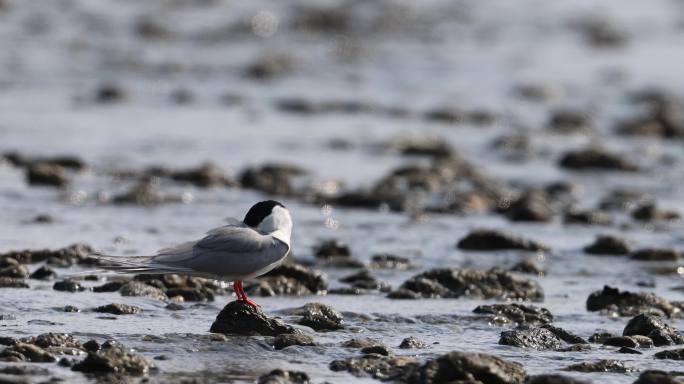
623,199
535,338
109,93
43,219
645,325
657,377
68,286
655,254
459,282
26,352
119,309
387,261
602,33
286,340
601,366
279,286
596,159
649,212
517,313
569,121
190,294
114,359
174,307
332,248
206,175
6,340
361,343
47,175
111,286
145,193
425,146
564,335
16,272
382,350
395,368
238,317
445,115
628,351
621,341
663,118
626,302
575,348
43,273
468,368
297,105
661,337
608,245
25,370
313,281
47,340
527,266
91,346
272,179
494,240
270,66
279,376
554,379
320,317
365,280
9,282
412,342
75,253
588,217
533,205
137,288
671,354
70,308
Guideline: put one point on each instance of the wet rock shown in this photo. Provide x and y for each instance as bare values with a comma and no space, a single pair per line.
43,273
174,307
114,358
240,318
323,19
297,105
527,266
623,199
643,341
387,261
564,335
657,377
425,146
273,179
588,217
671,354
650,212
379,367
6,340
319,316
9,282
111,286
91,346
46,175
663,117
18,370
468,367
332,248
286,340
47,340
70,309
621,341
600,32
575,348
109,94
517,313
26,352
608,245
627,303
206,175
382,350
655,254
596,159
533,205
145,193
68,286
43,219
458,282
601,366
295,275
645,325
279,376
16,272
75,253
137,288
526,337
119,309
569,121
279,286
494,240
365,280
361,343
554,379
445,115
270,66
412,342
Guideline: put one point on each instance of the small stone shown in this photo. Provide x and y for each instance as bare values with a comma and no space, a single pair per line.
43,273
601,366
412,342
9,282
113,358
279,376
137,288
46,175
286,340
535,338
655,254
238,317
608,245
628,351
494,240
596,159
26,352
657,377
321,317
377,349
119,309
68,286
620,341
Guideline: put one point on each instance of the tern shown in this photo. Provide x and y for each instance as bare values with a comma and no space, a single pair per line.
239,251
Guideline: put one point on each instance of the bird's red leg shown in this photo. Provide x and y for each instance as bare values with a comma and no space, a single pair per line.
237,287
243,296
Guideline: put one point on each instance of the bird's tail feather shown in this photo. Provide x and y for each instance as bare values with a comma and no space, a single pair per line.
136,264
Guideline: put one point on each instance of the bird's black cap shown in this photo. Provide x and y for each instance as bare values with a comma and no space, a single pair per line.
259,211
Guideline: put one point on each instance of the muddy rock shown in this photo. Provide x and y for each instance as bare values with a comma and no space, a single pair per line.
627,303
9,282
68,286
43,273
588,217
458,282
319,316
273,179
119,309
655,254
279,376
554,379
658,377
528,337
596,159
289,339
568,121
412,342
533,205
138,288
495,240
365,280
515,313
297,275
16,272
240,318
387,261
395,368
650,212
468,368
655,328
114,358
608,245
46,175
26,352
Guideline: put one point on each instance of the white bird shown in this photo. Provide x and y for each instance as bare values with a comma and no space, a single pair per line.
236,252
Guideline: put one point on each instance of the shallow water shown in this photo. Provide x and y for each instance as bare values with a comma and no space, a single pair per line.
468,53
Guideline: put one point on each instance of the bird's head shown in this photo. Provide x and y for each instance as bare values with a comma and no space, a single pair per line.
270,217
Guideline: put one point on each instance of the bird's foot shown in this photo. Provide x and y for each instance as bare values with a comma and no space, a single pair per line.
250,302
